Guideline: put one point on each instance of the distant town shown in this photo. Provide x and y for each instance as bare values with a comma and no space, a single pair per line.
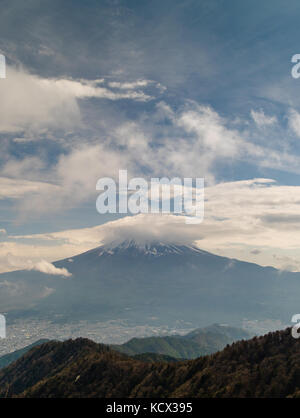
25,332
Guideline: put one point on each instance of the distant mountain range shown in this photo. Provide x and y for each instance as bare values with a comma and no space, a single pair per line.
154,283
168,348
192,345
267,366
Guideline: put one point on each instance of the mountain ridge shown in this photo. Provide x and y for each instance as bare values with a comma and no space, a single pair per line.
165,348
201,341
267,366
9,358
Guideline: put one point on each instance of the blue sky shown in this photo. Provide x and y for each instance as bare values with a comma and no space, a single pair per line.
176,88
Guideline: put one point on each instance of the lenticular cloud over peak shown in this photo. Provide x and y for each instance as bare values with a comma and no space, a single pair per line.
148,228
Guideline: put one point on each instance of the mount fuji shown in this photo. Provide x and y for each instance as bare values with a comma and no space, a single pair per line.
153,281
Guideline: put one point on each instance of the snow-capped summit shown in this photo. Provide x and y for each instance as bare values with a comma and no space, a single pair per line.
147,247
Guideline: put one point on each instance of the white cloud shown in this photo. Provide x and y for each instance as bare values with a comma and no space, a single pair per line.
191,144
44,266
210,130
33,104
29,168
16,189
294,122
29,103
17,256
287,263
261,119
129,85
76,175
90,88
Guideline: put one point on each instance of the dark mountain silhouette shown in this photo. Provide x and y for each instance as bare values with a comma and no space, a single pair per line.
267,366
154,283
